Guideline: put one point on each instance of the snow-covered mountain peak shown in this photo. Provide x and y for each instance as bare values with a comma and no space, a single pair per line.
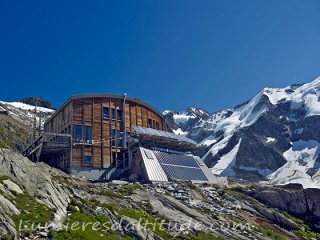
182,122
306,96
273,137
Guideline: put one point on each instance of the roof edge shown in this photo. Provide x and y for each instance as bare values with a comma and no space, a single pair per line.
105,95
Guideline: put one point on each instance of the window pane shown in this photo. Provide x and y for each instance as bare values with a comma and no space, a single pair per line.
113,136
88,134
113,133
157,125
113,113
88,161
106,112
77,133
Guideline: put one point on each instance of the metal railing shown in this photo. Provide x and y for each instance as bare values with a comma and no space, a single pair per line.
54,139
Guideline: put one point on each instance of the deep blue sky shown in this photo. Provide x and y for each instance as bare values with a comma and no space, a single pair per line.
172,54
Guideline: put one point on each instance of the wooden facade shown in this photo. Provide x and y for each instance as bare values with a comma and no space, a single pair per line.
99,125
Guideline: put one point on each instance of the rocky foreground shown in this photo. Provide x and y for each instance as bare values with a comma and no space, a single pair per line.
40,202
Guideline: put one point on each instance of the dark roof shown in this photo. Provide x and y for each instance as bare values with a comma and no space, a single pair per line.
163,134
102,95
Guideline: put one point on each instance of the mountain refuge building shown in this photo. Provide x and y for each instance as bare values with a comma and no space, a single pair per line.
105,136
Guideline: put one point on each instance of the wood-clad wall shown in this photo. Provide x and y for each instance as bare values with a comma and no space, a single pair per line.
89,112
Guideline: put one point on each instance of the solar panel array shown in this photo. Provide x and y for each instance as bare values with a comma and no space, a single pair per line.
154,132
184,173
175,159
180,166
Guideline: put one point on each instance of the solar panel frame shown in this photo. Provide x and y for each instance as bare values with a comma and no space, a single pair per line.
148,154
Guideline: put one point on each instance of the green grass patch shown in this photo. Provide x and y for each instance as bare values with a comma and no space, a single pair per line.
305,231
4,141
200,236
203,210
146,220
7,236
32,214
110,206
85,226
306,234
168,194
269,233
86,202
235,219
112,194
129,189
2,178
298,221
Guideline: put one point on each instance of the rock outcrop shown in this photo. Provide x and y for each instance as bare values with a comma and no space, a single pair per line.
183,210
33,179
292,198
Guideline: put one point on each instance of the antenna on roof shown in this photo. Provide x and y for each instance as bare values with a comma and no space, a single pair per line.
34,122
124,135
39,128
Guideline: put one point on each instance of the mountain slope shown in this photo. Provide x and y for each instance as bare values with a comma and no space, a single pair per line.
183,122
273,137
40,202
16,120
25,113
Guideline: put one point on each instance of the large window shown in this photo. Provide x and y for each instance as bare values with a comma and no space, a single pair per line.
119,113
149,123
106,113
88,161
113,113
157,125
113,137
77,133
88,134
